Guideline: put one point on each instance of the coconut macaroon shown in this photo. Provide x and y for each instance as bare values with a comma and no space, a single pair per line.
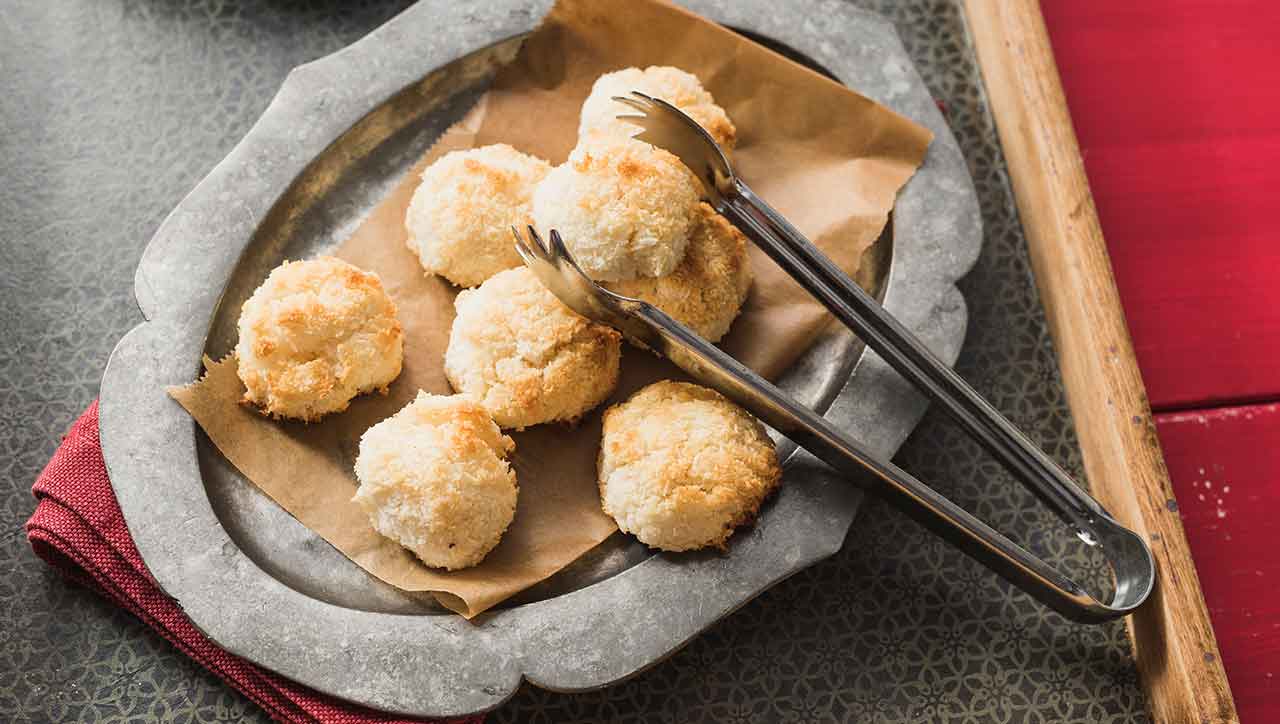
434,478
675,86
623,208
707,290
460,218
680,466
313,336
527,358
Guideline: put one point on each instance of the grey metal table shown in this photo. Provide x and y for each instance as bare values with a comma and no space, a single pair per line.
112,110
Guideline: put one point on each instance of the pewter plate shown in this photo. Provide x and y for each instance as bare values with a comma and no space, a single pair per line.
341,131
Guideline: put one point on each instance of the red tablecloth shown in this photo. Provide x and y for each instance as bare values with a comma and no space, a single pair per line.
79,530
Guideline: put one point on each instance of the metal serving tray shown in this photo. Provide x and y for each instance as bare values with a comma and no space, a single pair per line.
339,134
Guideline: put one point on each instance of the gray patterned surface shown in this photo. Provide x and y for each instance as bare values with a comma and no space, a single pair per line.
112,110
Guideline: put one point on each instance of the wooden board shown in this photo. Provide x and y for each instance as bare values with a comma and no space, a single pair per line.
1173,641
1225,465
1176,108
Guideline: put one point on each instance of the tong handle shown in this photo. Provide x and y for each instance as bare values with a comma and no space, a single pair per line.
1128,554
712,366
905,353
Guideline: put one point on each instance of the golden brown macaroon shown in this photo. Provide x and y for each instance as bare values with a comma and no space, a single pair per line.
680,89
434,478
707,290
681,467
313,336
624,208
527,358
460,218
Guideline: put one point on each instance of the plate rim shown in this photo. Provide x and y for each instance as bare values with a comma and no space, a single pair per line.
457,667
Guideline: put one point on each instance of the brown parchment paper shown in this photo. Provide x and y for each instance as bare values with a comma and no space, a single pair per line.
829,159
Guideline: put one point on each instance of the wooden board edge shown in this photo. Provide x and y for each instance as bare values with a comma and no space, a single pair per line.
1177,655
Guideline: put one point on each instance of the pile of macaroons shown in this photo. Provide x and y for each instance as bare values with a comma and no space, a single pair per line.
680,467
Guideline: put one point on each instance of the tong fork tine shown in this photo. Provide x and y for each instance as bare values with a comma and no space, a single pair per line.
663,125
638,101
556,269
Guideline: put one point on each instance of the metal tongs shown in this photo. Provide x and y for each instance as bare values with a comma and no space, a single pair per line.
666,127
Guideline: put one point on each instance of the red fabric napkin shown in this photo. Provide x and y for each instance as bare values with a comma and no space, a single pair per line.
79,530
